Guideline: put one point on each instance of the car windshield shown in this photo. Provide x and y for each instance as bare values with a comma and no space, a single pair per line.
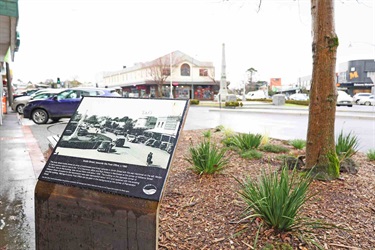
69,94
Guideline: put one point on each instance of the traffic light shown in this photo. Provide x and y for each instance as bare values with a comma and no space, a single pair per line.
58,80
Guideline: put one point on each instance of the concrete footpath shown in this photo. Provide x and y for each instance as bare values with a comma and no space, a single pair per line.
21,162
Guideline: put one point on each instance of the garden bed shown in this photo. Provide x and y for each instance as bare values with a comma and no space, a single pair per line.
205,212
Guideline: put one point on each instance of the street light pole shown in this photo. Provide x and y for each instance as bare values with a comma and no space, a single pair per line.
170,76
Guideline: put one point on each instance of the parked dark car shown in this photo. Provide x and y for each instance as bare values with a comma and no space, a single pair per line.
141,138
131,138
120,142
105,146
149,142
62,105
82,132
164,145
156,144
169,148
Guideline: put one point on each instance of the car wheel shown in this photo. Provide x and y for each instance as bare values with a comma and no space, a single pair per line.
367,103
39,116
19,108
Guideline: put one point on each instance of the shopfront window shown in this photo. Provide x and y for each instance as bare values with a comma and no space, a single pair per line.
182,92
166,91
203,92
152,92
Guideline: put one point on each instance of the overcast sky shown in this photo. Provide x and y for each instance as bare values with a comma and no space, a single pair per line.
80,38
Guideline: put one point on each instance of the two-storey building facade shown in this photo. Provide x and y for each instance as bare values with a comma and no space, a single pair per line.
175,74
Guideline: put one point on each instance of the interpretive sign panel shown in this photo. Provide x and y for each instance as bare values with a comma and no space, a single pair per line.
118,145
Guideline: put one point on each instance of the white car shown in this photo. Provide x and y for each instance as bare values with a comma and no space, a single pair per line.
357,97
370,100
344,99
259,94
299,97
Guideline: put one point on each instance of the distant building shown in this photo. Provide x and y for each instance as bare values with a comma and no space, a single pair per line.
275,84
304,82
355,76
188,77
352,77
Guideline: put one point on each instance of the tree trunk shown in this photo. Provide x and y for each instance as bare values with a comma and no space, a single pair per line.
320,148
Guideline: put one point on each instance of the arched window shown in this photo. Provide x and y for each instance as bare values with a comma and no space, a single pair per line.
185,69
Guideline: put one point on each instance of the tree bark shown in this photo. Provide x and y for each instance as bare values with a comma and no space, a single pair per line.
320,148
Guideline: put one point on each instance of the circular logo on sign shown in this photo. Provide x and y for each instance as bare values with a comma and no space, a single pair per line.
149,189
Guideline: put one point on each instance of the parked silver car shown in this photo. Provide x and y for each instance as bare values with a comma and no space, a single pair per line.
20,102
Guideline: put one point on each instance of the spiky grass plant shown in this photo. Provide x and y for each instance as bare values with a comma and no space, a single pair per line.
371,154
265,139
225,130
207,158
346,145
274,148
276,198
219,128
251,154
207,134
247,141
298,143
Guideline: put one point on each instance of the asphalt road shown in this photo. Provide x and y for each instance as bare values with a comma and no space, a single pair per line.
276,122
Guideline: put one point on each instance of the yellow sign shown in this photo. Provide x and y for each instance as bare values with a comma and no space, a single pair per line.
353,75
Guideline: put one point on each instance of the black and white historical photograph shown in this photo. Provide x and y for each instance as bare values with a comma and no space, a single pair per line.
118,145
131,131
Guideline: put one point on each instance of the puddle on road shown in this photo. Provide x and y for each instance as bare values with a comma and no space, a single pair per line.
15,230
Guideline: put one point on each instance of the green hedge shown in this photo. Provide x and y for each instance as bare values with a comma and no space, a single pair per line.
233,104
194,102
260,100
304,103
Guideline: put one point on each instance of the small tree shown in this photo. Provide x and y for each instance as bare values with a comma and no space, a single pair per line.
159,71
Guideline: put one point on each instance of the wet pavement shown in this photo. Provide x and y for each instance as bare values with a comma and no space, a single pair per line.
20,164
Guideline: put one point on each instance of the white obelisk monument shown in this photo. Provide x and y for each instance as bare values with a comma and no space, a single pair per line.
223,92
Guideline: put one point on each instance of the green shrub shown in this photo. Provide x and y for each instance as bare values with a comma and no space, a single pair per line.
251,154
274,148
219,128
194,101
232,104
207,134
276,198
260,100
247,141
227,131
303,103
228,141
346,145
371,155
207,158
265,139
298,143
